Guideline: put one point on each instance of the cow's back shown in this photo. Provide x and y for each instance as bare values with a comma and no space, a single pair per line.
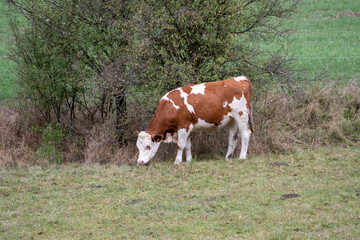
209,102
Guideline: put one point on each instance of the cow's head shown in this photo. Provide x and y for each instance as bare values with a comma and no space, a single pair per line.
147,145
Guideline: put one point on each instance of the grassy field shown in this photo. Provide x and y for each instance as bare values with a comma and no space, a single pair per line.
324,36
310,195
7,75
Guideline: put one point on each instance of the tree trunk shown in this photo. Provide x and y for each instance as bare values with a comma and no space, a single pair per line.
121,116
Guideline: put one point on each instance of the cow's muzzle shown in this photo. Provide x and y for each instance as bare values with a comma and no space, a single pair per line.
141,162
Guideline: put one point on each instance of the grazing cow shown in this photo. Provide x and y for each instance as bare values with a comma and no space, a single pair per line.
198,107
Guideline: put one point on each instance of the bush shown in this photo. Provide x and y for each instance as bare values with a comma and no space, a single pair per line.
51,138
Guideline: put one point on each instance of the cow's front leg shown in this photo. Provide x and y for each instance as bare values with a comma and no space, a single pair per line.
182,140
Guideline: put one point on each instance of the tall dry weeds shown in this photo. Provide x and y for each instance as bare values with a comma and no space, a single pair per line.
17,142
325,116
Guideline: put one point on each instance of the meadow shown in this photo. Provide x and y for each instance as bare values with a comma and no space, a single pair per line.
310,194
7,67
324,40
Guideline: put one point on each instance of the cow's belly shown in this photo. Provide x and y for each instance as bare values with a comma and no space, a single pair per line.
202,125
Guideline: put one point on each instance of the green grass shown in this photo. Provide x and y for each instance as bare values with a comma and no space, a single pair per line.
325,39
202,200
7,67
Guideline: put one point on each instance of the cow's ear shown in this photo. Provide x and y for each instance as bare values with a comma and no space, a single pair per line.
156,138
137,132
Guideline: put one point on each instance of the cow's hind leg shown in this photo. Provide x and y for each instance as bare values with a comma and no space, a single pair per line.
188,150
245,133
233,139
181,144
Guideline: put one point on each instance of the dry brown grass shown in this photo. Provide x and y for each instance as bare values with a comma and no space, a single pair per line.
17,140
324,117
328,116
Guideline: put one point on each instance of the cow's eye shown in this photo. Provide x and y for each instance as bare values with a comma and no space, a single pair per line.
148,147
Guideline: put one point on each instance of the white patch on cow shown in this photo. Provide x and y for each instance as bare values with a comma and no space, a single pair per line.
225,104
175,106
241,78
198,89
225,121
171,138
239,105
170,100
185,96
203,125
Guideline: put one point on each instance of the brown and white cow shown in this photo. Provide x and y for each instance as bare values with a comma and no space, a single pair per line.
199,107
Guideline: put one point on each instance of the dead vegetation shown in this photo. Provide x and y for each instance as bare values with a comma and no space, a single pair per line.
327,116
17,142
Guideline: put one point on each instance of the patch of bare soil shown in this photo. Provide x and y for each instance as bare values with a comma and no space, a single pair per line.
278,164
135,201
347,14
291,195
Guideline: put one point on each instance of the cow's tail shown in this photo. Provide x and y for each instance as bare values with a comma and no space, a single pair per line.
251,119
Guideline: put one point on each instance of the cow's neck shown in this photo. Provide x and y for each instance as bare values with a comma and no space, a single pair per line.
158,126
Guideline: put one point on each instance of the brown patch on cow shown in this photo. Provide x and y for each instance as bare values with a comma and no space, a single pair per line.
241,113
175,96
228,108
187,89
